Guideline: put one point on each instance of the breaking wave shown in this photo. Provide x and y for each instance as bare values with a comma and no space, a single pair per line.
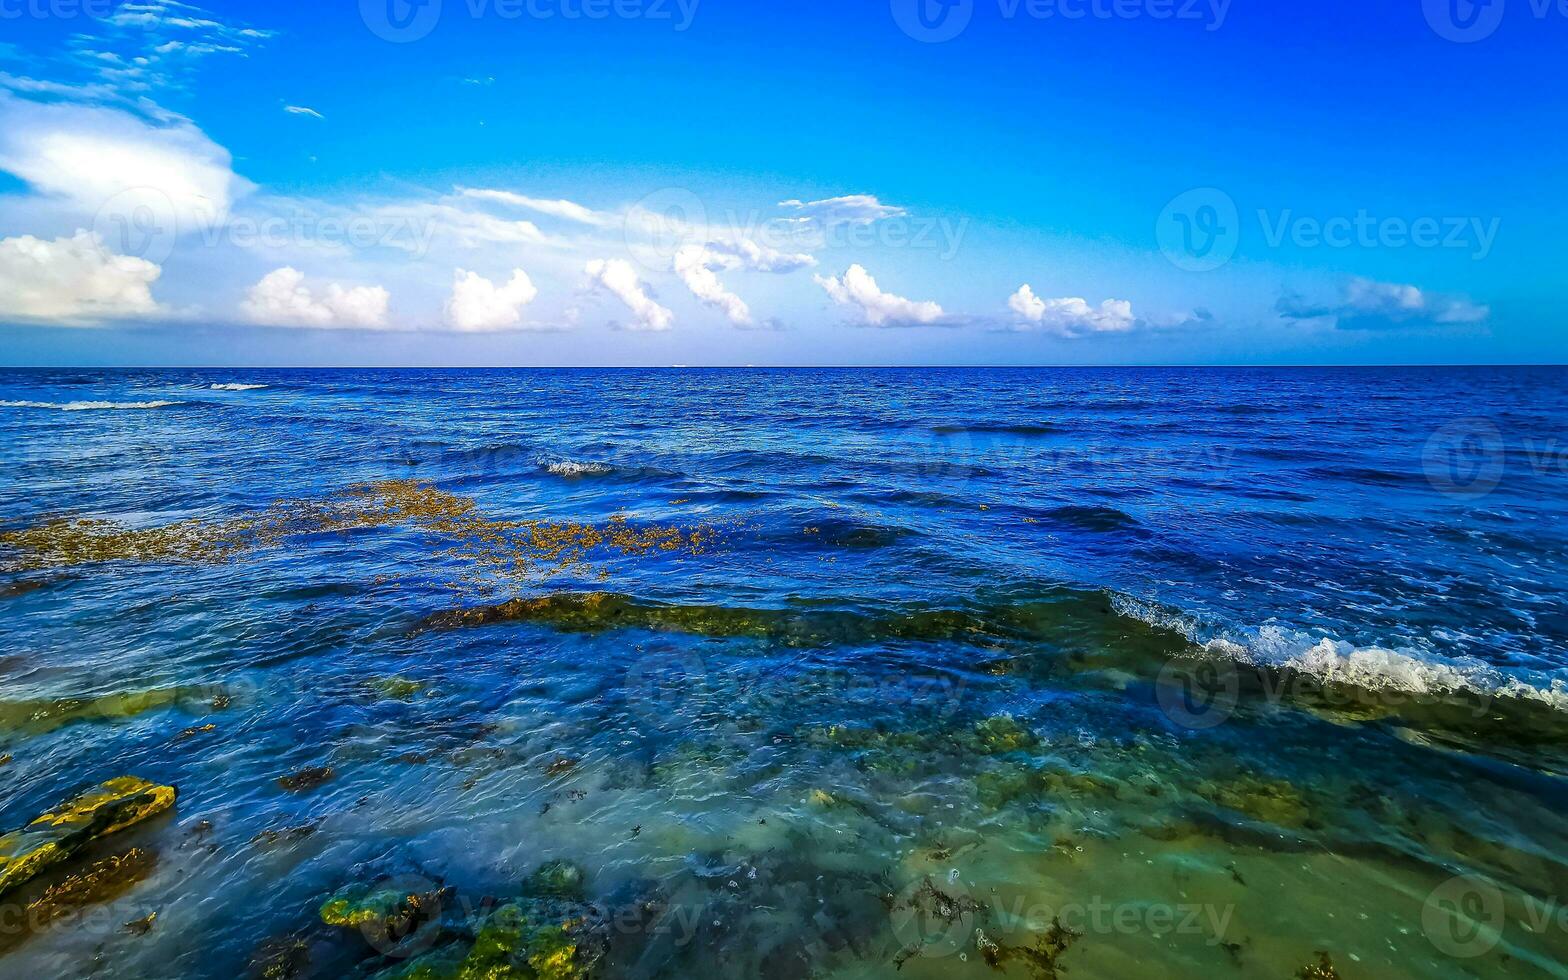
1401,671
89,406
572,468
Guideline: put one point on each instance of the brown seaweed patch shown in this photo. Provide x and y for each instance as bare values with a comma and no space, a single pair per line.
101,881
1040,958
65,543
506,549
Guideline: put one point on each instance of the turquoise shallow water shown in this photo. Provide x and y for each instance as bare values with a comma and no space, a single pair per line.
807,673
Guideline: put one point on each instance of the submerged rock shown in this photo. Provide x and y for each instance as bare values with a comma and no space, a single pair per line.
395,688
518,941
20,586
41,716
549,933
101,881
385,913
557,879
60,833
1272,801
280,958
1002,734
306,780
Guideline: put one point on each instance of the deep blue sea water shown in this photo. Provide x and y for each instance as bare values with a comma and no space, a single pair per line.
1156,638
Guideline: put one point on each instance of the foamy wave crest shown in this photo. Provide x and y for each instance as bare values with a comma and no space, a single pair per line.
90,406
1402,671
236,386
569,467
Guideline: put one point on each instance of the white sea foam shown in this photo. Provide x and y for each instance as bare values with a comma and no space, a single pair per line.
1402,671
236,386
90,406
569,467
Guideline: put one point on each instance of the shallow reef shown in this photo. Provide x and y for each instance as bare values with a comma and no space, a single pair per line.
60,833
43,715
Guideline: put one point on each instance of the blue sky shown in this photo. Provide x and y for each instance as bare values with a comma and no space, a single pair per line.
718,182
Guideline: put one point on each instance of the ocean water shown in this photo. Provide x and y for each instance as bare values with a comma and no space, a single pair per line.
807,673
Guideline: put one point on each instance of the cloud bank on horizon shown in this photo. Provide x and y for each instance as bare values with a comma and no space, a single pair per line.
123,210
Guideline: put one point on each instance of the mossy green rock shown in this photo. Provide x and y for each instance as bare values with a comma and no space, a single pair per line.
517,942
60,833
387,908
557,879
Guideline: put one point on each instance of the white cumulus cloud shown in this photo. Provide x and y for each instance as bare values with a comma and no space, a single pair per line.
116,169
283,299
697,267
478,305
617,277
1072,316
856,289
72,280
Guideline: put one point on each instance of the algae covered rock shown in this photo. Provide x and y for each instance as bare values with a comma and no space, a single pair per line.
1002,734
549,933
518,941
1273,801
60,833
557,879
387,912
